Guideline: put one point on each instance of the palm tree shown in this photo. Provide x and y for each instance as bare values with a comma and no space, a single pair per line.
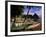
27,12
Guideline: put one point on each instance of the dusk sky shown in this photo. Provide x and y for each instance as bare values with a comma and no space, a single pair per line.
33,9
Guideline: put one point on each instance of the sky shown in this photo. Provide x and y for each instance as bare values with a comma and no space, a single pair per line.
33,10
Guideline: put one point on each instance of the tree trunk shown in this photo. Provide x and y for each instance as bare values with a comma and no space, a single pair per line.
27,15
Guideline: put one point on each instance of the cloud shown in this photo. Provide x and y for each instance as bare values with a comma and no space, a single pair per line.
33,10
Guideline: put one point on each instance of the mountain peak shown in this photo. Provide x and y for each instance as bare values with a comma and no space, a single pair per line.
35,16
